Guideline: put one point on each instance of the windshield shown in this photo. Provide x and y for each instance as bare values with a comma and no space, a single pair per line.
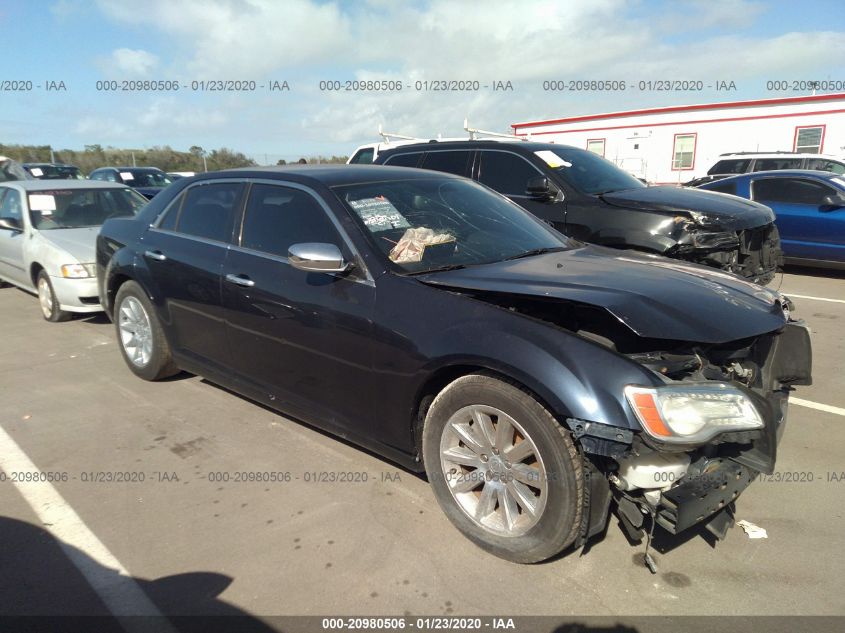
77,208
433,224
587,171
144,178
55,172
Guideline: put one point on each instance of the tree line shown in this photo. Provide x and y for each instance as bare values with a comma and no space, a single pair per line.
166,158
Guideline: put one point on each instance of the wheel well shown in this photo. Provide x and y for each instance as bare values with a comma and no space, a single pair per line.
115,283
444,376
34,269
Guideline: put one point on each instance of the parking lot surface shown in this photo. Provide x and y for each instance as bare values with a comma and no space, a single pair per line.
198,540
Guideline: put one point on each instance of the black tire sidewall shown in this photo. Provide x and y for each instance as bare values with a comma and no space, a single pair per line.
556,529
160,364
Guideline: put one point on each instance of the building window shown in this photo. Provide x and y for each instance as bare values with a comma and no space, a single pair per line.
809,139
683,156
596,145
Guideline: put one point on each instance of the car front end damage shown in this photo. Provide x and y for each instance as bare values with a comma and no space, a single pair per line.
702,446
753,253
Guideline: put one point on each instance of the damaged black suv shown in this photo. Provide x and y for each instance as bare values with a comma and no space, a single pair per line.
538,381
589,198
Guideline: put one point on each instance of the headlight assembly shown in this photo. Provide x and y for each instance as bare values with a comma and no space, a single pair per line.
75,271
692,414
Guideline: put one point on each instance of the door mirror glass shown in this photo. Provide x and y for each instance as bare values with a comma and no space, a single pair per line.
317,257
12,224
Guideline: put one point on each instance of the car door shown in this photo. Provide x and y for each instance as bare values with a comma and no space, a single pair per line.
12,265
299,340
808,229
509,173
184,254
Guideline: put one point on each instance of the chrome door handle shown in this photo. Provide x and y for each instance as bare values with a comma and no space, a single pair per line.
240,280
156,255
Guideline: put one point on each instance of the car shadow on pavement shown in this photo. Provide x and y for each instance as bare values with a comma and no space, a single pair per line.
40,576
824,273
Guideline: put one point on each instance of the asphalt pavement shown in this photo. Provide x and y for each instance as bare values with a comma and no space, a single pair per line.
210,503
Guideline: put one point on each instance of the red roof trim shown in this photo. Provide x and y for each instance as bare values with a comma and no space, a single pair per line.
686,108
739,118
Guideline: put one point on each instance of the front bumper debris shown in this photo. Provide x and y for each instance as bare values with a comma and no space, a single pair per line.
701,496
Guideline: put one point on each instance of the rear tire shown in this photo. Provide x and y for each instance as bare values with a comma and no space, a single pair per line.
140,336
504,472
50,309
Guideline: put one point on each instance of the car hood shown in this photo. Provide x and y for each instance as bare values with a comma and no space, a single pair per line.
654,296
729,212
80,243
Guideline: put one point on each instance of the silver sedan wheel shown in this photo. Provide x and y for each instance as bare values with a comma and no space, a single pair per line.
493,470
135,331
45,297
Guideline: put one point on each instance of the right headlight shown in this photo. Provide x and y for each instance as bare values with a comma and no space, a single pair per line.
692,414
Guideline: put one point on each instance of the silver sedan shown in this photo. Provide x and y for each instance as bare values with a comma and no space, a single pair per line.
48,233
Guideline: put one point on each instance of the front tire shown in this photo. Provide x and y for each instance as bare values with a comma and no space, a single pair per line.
140,336
504,472
50,309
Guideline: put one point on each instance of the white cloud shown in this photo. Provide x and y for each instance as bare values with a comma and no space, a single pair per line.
523,42
127,63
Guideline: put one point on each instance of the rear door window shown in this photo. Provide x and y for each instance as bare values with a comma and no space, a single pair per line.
766,164
506,173
208,211
450,161
724,187
411,159
790,190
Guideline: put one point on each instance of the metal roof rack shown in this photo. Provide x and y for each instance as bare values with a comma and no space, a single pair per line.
780,151
475,132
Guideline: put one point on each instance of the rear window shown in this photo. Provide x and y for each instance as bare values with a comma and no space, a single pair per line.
730,167
77,208
363,156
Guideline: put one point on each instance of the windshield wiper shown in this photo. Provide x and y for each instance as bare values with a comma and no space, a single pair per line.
536,251
437,270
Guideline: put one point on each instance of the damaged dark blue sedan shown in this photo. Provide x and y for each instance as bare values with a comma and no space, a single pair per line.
538,381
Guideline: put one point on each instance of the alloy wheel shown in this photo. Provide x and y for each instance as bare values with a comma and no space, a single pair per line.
493,470
45,297
135,332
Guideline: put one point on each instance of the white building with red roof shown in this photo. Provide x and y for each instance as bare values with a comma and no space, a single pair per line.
677,143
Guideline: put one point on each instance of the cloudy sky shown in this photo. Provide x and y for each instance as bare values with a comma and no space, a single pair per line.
304,42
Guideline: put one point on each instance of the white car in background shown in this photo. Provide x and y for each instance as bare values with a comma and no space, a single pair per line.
48,233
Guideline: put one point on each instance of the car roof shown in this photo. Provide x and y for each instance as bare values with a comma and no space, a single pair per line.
55,185
741,155
329,175
780,173
528,146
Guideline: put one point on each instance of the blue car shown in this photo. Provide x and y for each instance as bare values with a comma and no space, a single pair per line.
810,210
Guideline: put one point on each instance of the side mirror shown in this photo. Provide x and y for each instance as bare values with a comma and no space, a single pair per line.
317,257
12,224
540,188
831,203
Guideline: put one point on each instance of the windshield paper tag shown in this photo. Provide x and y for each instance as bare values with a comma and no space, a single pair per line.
127,175
379,214
36,171
40,202
551,159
